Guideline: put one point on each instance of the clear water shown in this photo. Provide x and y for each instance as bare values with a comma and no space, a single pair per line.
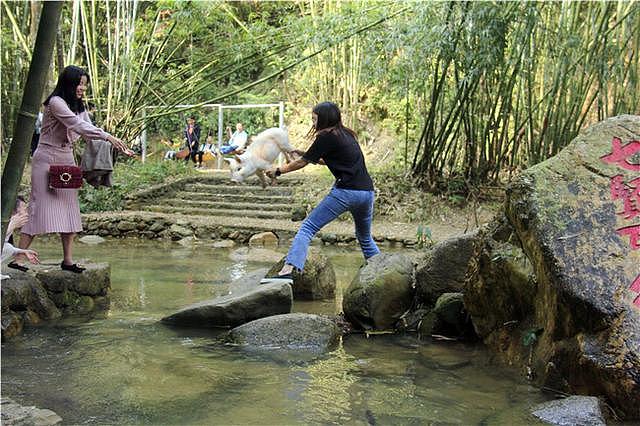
124,367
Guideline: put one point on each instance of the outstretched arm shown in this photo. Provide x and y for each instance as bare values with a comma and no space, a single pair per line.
288,167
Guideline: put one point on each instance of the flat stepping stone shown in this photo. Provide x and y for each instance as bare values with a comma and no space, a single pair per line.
94,281
297,332
236,309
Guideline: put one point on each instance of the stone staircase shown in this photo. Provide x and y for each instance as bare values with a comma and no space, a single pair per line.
208,206
228,199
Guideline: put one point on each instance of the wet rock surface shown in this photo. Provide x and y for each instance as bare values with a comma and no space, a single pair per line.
571,411
299,332
235,309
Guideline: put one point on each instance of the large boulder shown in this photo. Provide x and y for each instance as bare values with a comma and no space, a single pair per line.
500,294
236,309
572,411
381,293
299,332
317,279
574,326
443,269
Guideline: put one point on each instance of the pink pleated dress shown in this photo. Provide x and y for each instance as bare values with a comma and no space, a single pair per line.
57,210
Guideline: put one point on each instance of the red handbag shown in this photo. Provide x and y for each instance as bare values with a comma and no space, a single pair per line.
63,176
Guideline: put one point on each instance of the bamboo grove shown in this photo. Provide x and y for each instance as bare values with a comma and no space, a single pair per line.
470,91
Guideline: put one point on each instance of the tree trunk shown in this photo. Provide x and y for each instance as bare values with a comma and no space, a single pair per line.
31,99
35,7
59,52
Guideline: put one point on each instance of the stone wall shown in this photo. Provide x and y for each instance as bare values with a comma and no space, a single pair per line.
158,226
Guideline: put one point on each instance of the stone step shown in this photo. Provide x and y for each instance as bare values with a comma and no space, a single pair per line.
238,214
226,205
237,197
234,189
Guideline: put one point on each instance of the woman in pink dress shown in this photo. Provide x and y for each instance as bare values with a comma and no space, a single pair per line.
65,118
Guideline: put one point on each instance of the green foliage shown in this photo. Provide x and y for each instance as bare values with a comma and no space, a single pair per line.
129,177
475,87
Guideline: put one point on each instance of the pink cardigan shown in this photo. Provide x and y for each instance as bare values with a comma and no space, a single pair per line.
63,126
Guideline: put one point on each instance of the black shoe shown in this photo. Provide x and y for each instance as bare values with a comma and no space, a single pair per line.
72,268
14,265
286,278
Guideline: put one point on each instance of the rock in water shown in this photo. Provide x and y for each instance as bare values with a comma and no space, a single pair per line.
236,309
381,292
94,281
300,332
317,280
264,239
443,269
571,411
578,311
16,414
92,239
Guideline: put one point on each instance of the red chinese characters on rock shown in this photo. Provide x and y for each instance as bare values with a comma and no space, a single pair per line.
620,154
628,193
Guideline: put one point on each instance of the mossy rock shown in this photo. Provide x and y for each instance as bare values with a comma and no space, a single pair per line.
578,311
381,293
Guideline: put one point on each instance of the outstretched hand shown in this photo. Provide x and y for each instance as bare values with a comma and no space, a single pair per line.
31,255
122,147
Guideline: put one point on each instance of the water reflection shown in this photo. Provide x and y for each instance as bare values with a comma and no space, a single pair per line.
124,367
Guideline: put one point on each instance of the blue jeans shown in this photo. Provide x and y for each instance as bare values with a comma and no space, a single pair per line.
225,149
338,201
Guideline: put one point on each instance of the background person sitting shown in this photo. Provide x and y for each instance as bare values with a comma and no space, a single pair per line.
237,141
174,147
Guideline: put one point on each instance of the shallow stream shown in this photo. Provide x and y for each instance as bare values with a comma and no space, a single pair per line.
124,367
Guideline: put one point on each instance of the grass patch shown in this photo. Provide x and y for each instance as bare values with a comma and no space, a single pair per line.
128,177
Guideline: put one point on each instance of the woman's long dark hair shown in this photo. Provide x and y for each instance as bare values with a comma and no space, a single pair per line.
68,81
329,119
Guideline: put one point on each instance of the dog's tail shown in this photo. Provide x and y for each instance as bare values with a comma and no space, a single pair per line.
282,139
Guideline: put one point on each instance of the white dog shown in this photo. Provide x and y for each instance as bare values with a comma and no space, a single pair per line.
260,155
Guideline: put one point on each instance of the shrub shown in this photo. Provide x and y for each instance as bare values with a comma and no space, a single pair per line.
129,176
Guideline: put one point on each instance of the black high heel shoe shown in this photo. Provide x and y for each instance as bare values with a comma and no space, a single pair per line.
14,265
72,268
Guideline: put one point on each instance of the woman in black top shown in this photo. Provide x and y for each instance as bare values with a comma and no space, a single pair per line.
336,147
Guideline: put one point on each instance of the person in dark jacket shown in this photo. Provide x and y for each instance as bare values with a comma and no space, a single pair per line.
192,140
